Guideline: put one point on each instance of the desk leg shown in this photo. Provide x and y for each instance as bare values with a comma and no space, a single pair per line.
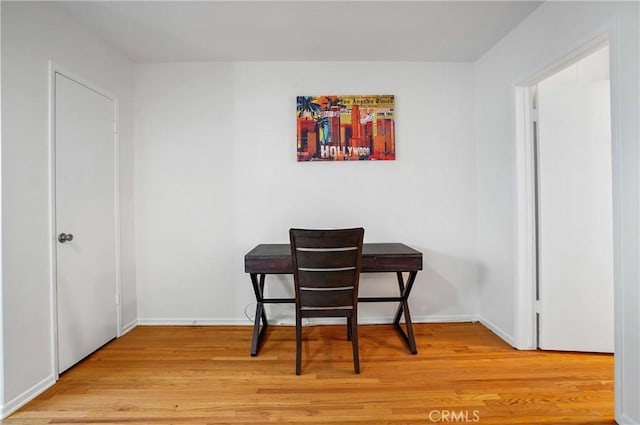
258,334
403,308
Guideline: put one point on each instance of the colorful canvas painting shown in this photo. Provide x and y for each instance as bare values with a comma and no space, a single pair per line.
346,128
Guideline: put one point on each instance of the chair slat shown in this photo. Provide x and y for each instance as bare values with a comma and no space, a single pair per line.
326,239
327,298
327,279
326,259
310,314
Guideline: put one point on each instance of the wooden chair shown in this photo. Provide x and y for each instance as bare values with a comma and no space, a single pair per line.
326,272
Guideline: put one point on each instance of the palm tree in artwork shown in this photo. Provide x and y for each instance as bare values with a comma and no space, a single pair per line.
306,107
327,105
323,123
334,101
316,109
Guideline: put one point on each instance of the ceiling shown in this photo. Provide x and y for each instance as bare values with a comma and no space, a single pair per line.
185,31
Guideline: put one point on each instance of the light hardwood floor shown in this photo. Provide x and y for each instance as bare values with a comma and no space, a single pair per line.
463,373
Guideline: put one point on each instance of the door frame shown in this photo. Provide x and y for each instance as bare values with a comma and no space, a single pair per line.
525,275
54,69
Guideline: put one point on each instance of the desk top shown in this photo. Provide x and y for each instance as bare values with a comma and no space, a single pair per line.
376,257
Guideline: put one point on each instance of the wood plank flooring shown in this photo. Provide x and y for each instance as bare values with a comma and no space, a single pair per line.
463,373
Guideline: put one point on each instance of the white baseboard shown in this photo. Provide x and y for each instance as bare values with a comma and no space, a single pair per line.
128,328
379,320
496,330
459,318
26,396
625,420
193,322
289,320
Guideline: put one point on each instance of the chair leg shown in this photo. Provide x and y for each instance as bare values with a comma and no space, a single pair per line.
348,328
298,344
354,343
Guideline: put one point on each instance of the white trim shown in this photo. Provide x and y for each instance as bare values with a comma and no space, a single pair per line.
457,318
460,318
497,330
618,249
289,320
54,69
194,322
52,226
26,396
116,207
128,328
524,314
589,45
623,419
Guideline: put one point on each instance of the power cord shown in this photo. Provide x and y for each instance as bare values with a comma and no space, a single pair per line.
252,318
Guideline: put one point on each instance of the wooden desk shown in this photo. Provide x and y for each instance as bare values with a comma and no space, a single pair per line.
267,259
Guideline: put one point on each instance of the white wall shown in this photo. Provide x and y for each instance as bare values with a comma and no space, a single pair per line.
216,173
553,31
32,34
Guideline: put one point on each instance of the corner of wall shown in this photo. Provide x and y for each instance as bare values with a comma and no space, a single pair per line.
497,330
125,329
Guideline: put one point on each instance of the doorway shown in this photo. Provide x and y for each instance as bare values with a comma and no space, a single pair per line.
84,207
526,126
574,222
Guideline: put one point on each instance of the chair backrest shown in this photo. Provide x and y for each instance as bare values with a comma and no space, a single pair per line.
326,270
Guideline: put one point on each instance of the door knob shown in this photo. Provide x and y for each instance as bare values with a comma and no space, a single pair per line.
65,237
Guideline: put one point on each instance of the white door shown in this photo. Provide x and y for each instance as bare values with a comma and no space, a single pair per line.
575,217
85,220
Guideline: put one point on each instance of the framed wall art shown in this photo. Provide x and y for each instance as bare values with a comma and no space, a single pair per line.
345,128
